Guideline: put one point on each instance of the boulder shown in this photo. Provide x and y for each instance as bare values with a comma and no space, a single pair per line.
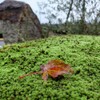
18,22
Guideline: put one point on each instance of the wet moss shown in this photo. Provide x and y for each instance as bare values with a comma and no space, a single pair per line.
81,52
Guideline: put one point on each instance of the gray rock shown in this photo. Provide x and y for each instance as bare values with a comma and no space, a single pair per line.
18,22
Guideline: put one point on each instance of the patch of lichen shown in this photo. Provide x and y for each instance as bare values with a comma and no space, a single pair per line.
81,52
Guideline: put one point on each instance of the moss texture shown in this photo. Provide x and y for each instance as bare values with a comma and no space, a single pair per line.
81,52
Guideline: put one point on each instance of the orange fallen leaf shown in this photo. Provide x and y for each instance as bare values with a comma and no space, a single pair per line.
54,68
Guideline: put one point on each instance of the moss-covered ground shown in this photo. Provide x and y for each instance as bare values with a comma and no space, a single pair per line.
81,52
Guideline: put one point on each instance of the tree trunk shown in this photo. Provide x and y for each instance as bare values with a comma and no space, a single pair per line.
83,17
70,9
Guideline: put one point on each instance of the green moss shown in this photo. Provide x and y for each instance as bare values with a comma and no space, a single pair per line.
81,52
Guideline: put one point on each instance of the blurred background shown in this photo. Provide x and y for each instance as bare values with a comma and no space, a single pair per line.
67,16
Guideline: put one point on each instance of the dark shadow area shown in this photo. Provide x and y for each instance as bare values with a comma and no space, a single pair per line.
1,36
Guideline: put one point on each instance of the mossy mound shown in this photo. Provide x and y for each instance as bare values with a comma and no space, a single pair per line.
81,52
